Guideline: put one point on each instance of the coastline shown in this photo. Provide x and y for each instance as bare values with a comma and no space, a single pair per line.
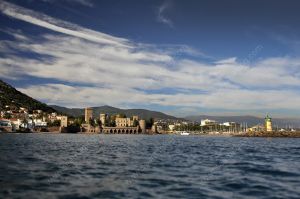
295,134
248,134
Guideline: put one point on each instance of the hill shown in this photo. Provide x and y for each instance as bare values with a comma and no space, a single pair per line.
9,96
142,113
250,120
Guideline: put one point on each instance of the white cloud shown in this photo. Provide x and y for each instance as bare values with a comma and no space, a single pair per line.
45,21
117,71
82,2
161,14
233,99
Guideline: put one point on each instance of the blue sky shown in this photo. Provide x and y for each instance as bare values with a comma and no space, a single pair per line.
181,57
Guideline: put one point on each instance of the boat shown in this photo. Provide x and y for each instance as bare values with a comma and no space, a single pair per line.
184,133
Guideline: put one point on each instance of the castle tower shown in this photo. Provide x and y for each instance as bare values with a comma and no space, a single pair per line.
135,117
88,113
268,124
154,128
142,124
103,118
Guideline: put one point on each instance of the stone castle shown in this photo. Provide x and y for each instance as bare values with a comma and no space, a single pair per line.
122,125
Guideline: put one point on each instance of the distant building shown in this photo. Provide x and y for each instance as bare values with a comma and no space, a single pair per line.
171,127
123,122
135,117
5,125
268,124
64,121
208,122
142,125
154,128
228,124
88,113
15,123
256,128
37,123
103,119
122,125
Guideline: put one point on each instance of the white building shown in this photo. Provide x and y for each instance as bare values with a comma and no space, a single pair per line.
171,127
208,122
5,123
16,123
37,123
229,124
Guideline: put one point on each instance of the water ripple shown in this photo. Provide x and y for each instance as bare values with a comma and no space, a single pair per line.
139,166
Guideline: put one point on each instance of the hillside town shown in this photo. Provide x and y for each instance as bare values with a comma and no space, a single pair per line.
22,120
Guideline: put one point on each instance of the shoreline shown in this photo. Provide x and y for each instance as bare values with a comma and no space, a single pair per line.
248,135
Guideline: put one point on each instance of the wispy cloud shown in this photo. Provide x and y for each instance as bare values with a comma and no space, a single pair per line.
64,27
161,13
92,68
82,2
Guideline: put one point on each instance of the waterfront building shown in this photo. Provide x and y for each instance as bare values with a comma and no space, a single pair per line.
135,117
268,124
5,125
37,123
142,124
121,130
123,122
16,123
88,114
64,121
154,128
103,119
171,127
122,125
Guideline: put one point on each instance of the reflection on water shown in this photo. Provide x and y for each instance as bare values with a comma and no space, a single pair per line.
140,166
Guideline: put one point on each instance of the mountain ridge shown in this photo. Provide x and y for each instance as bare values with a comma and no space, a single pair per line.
9,96
142,113
12,97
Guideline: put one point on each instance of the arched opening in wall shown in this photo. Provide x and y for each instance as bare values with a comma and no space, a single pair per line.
111,131
119,131
134,131
123,130
130,131
126,130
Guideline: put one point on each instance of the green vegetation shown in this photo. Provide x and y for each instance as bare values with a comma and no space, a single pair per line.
135,123
13,98
78,121
190,127
54,123
98,122
92,122
7,116
149,123
122,115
